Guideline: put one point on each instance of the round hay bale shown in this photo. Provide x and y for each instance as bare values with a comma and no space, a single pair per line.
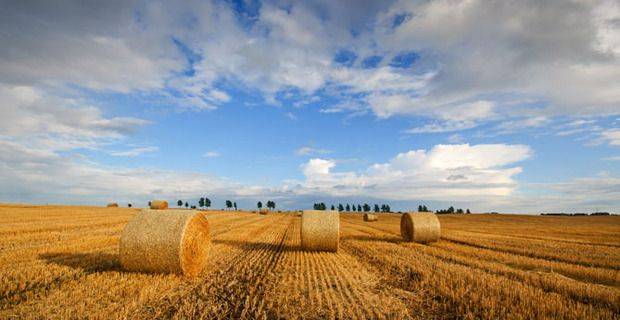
159,204
264,211
370,217
320,230
112,205
166,241
420,227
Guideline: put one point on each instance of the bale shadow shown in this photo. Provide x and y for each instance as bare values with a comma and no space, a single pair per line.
87,262
259,245
391,239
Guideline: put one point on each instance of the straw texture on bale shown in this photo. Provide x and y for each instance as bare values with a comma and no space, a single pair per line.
320,230
370,217
159,205
420,227
166,241
263,211
112,205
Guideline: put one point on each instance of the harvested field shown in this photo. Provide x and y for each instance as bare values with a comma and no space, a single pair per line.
62,262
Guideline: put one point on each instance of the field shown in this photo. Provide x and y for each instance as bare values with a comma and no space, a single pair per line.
62,262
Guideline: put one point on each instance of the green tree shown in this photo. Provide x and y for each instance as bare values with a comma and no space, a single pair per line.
235,205
348,208
186,204
359,208
129,205
228,204
333,208
149,203
376,207
259,205
207,202
468,212
179,203
366,207
340,207
201,202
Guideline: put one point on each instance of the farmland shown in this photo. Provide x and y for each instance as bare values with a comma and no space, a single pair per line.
62,262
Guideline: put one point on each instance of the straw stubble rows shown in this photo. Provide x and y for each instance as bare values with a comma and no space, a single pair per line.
63,262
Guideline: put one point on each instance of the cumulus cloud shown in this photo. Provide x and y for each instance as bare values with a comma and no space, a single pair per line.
443,172
611,136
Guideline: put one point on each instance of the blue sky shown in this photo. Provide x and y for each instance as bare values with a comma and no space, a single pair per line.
401,102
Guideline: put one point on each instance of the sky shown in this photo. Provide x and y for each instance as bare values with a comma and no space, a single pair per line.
509,106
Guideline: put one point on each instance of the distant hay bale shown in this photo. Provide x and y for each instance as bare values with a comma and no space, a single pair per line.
264,211
159,205
112,205
370,217
166,241
420,227
320,230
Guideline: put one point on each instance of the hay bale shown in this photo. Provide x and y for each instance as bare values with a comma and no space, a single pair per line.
264,211
370,217
166,241
420,227
112,205
320,230
159,204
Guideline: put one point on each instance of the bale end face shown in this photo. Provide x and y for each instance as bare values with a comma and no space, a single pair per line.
420,227
170,241
264,211
159,205
370,217
320,230
112,205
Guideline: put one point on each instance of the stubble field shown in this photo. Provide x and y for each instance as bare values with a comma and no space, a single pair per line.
62,262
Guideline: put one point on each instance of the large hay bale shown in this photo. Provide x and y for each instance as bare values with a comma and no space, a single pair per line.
159,204
420,227
320,230
166,241
370,217
264,211
112,205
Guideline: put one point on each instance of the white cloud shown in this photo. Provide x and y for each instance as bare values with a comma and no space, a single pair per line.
211,154
614,158
306,151
134,152
443,172
611,136
448,126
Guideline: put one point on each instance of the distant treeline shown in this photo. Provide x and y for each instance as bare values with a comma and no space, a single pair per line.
575,214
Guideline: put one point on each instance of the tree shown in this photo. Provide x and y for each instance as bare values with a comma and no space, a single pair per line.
259,205
451,209
348,208
420,209
129,205
235,205
376,207
228,204
207,202
333,208
366,207
271,204
149,203
179,203
340,207
201,202
387,208
359,208
186,204
468,212
354,208
459,211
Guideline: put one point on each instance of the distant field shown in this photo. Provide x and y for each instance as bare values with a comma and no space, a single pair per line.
62,262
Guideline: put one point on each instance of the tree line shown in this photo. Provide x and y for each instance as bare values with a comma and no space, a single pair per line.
353,208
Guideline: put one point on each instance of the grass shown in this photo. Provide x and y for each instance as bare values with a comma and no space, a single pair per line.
62,262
